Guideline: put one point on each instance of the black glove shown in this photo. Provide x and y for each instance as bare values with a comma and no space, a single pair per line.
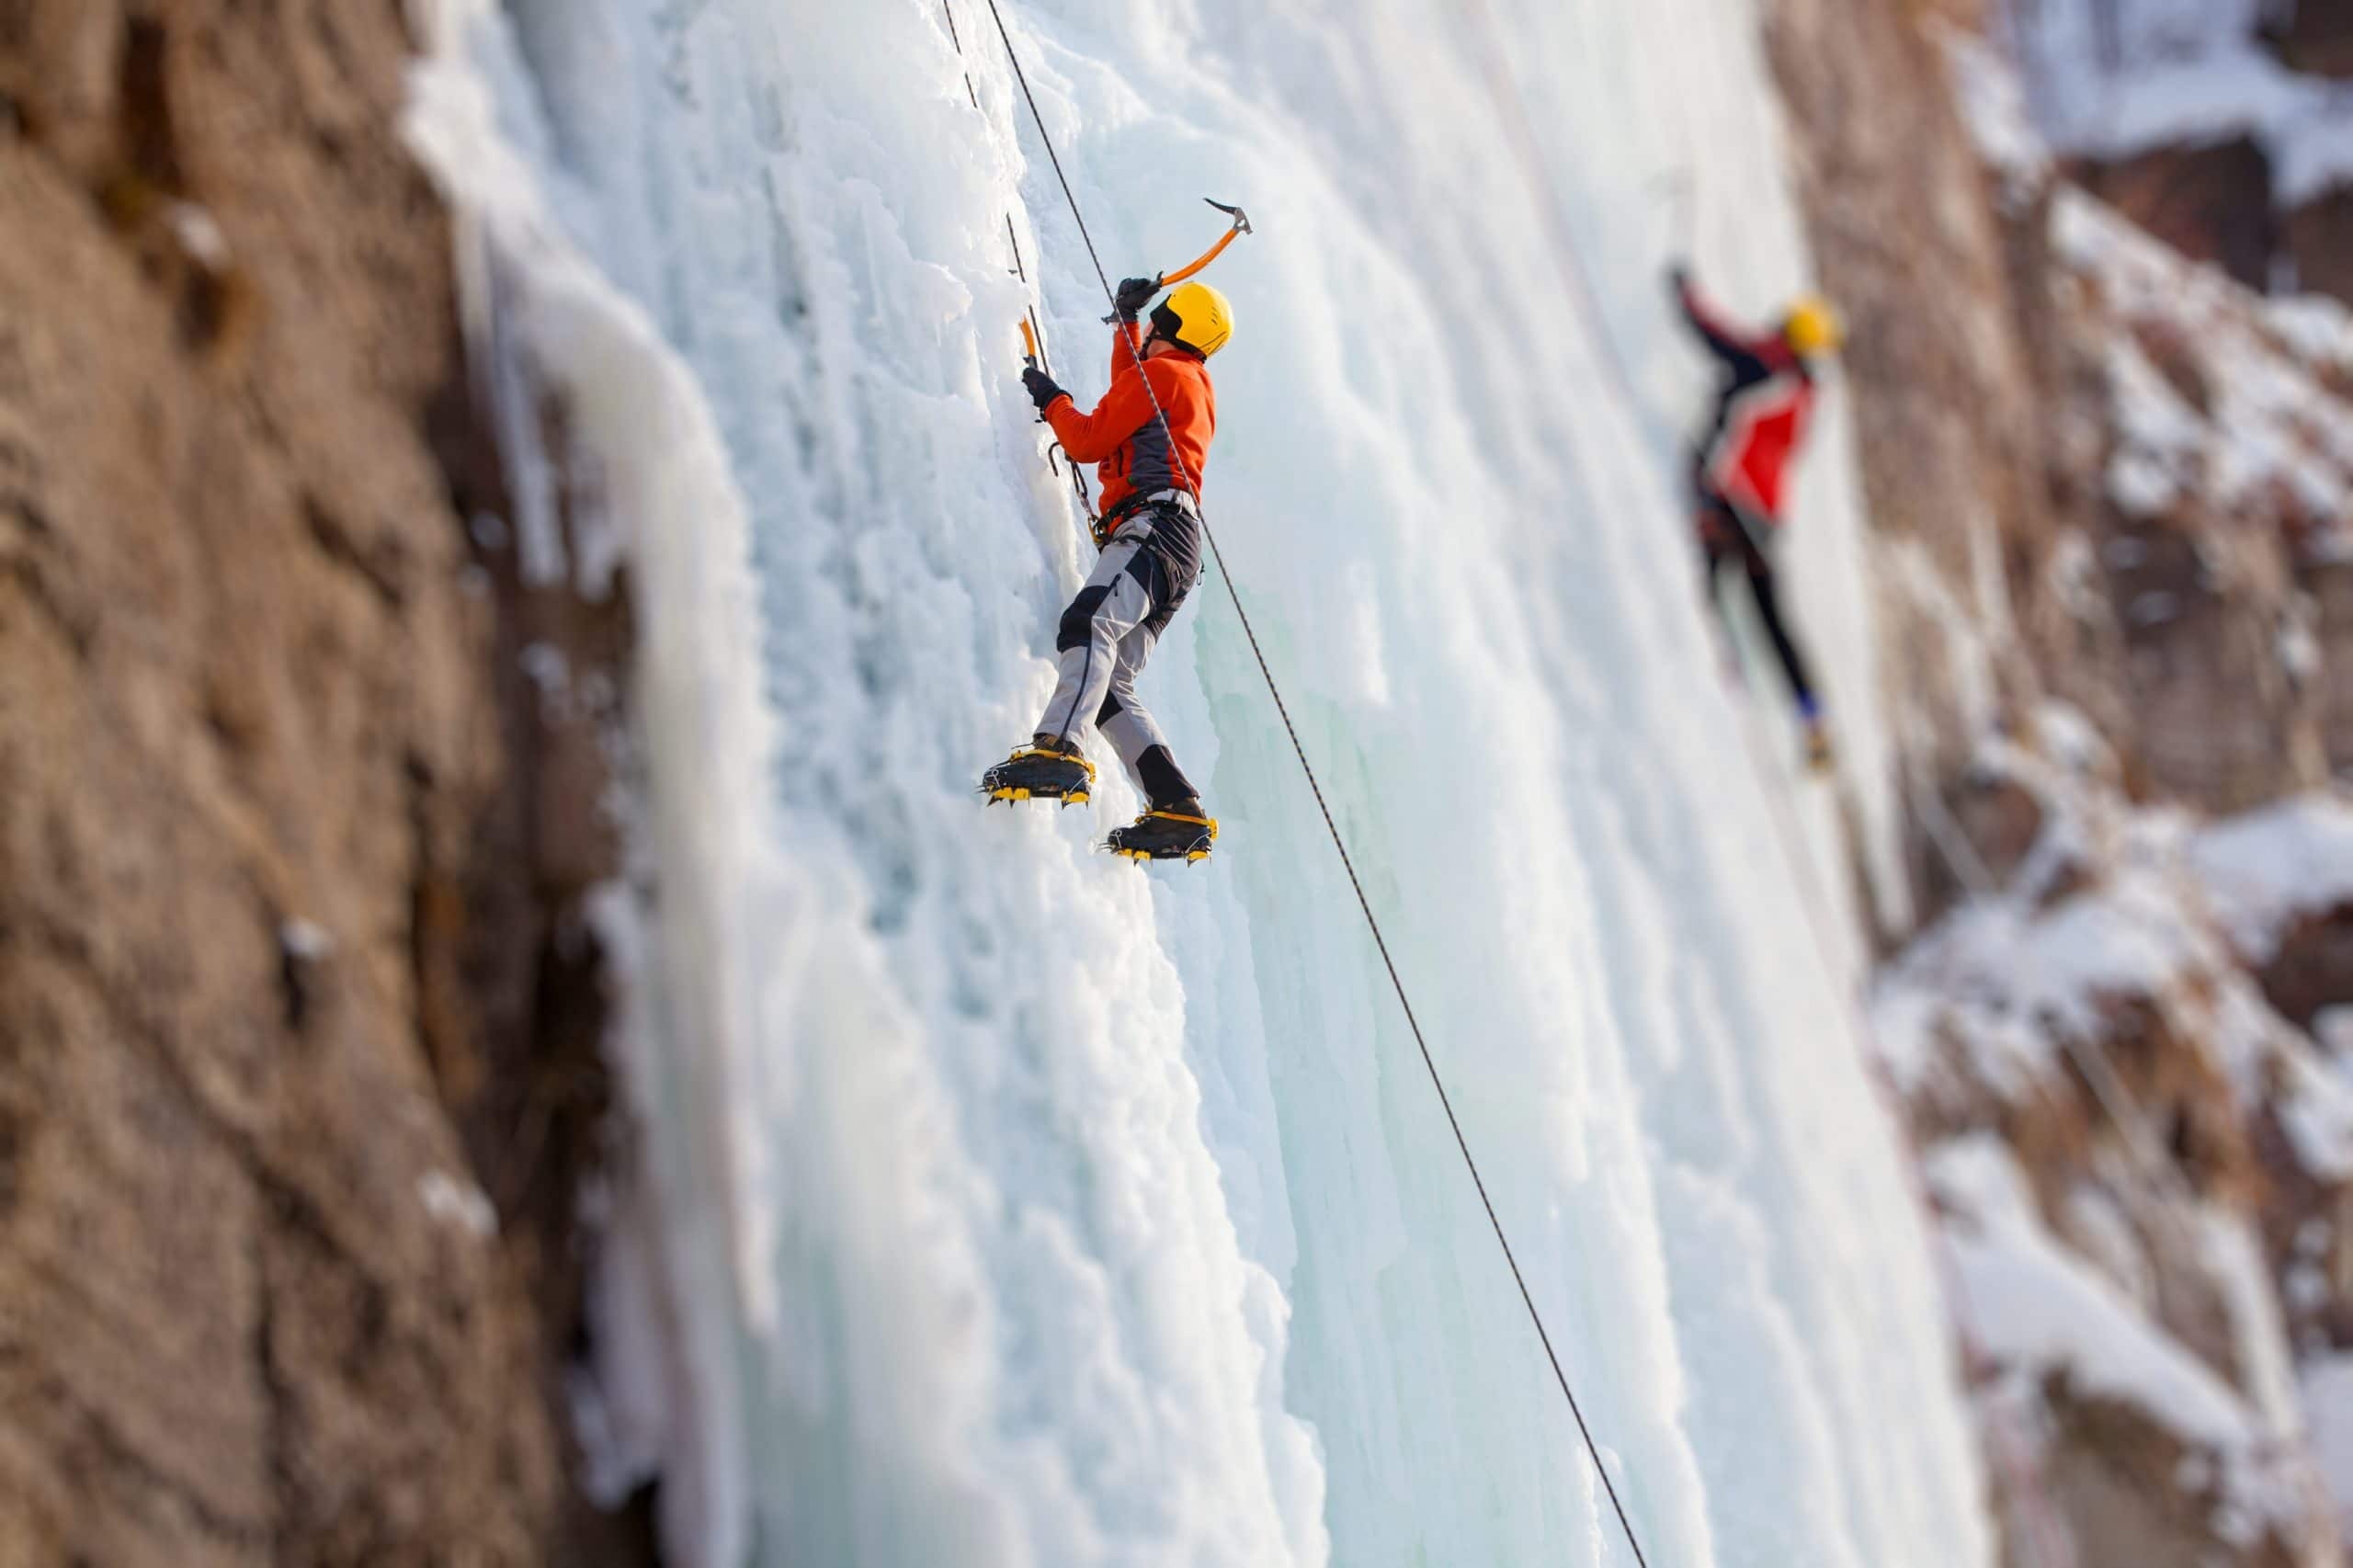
1134,294
1042,390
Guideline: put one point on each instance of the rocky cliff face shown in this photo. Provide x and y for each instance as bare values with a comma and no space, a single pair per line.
2109,487
298,1022
2221,127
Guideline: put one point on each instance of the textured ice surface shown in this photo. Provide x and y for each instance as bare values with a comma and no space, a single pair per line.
1000,1204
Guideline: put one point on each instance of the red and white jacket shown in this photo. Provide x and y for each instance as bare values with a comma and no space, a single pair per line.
1761,417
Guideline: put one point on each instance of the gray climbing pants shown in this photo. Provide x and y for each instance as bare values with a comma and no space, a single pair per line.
1105,635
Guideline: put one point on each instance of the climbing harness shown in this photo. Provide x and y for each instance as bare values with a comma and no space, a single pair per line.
1381,943
1110,522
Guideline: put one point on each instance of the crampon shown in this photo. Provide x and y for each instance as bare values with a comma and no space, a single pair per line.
1819,757
1040,773
1164,836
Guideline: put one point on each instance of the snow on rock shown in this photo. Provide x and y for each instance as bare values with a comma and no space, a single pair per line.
2271,429
2328,1404
2267,869
2114,909
2063,1336
2183,1138
1993,106
2112,78
2015,975
2248,412
2200,443
455,1201
2038,1309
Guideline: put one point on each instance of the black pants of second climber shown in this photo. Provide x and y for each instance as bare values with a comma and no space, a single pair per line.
1727,538
1108,632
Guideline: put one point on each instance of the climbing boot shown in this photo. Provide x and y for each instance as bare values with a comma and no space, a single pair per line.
1178,831
1818,754
1049,769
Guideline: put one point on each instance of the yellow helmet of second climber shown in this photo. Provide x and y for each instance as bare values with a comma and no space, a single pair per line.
1813,327
1195,316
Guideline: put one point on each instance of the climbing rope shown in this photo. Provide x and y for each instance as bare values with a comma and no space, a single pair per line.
1381,943
949,11
1034,331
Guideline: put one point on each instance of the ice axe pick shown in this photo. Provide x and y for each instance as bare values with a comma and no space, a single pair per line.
1241,226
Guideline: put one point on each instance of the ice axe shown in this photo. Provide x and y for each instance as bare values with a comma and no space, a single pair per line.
1029,351
1241,226
1036,361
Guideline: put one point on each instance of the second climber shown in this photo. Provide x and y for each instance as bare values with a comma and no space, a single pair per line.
1150,436
1741,470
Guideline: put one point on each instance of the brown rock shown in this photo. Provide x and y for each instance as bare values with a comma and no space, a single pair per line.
1982,381
1941,379
2310,968
2112,1473
2211,202
284,973
2312,35
2001,818
2319,237
2215,718
2331,587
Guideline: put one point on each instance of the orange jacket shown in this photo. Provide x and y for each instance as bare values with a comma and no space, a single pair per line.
1123,437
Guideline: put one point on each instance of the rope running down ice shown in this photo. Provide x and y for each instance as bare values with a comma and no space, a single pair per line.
1429,1062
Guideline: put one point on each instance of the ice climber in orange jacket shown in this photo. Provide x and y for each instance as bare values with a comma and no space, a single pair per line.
1150,438
1742,468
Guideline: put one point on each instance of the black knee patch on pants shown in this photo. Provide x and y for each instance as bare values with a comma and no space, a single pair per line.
1164,781
1078,621
1108,711
1152,573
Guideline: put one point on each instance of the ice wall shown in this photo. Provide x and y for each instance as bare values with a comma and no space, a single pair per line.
998,1202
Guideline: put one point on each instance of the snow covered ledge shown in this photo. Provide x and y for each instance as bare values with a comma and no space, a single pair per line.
2142,1166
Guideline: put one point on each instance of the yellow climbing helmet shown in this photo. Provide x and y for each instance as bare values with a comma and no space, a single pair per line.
1813,327
1195,316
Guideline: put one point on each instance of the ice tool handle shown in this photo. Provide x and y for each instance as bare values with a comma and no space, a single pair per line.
1037,361
1241,226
